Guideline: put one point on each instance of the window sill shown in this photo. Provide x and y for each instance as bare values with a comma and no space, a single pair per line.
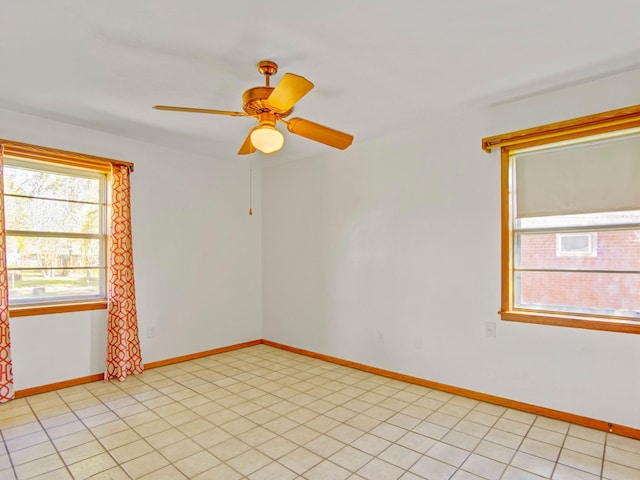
592,323
48,309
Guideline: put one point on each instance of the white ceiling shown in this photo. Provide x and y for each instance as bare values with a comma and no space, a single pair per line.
379,66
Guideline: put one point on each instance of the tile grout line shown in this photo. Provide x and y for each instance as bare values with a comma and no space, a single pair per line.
90,431
238,394
173,426
4,444
555,464
48,435
564,441
604,454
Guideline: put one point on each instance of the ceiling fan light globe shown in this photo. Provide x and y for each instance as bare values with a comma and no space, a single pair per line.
267,139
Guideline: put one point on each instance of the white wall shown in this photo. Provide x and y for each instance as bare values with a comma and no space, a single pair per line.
196,258
388,254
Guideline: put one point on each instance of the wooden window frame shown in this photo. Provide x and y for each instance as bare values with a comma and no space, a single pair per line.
590,125
70,159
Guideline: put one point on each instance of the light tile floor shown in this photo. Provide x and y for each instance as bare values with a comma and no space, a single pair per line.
262,413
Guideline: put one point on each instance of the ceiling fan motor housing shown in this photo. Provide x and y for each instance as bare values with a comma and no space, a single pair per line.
254,102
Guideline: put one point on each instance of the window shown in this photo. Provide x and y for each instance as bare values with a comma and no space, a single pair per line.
571,222
56,222
56,233
576,244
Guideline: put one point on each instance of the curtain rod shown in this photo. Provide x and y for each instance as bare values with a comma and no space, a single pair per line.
36,152
619,119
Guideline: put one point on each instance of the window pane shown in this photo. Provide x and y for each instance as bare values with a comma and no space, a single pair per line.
32,286
45,253
40,183
586,292
51,215
584,177
609,250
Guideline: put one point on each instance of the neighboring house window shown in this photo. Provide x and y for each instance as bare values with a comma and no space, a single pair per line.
55,218
571,222
577,244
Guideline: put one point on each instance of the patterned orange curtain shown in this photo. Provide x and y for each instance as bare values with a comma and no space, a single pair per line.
123,342
6,367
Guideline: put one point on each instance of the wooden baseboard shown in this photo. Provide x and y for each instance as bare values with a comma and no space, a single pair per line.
504,402
206,353
58,385
100,376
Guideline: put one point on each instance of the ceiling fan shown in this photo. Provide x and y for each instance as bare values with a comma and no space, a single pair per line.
272,104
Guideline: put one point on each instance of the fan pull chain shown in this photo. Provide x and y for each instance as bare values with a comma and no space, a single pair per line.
250,186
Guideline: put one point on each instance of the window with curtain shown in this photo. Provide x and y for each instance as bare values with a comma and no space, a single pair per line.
571,222
61,251
57,229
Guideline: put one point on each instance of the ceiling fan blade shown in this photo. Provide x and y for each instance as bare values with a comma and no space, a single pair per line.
247,147
288,91
319,133
200,110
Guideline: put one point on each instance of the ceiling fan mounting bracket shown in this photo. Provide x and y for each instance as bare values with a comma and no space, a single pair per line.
267,68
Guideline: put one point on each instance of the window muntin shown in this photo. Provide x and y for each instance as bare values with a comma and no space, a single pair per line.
56,233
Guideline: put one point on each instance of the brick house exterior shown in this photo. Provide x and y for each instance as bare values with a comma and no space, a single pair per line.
615,250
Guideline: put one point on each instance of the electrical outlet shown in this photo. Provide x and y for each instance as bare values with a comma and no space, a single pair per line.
490,329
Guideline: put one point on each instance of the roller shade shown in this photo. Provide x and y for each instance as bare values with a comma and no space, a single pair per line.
591,177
